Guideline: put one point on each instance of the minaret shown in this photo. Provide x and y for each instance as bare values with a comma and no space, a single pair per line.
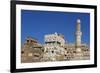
78,35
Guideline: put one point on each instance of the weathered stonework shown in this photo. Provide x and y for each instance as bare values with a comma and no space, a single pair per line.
32,51
55,48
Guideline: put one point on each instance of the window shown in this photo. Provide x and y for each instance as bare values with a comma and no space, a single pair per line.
27,41
74,51
42,50
22,52
31,41
52,51
65,48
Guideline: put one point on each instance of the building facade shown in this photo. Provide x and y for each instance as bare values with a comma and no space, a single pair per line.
31,51
54,47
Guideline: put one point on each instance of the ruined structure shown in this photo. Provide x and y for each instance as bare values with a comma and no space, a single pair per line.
55,48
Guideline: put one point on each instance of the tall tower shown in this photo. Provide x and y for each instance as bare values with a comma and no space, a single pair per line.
78,35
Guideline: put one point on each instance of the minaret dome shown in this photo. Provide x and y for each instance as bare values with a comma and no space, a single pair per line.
78,21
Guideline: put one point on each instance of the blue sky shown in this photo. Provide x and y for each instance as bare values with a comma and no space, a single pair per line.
39,23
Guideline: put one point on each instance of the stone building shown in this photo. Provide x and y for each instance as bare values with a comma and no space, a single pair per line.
31,51
73,54
55,48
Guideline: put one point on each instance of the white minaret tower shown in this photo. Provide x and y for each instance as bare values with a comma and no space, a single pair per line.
78,35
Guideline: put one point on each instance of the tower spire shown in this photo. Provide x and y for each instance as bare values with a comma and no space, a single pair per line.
78,25
78,33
